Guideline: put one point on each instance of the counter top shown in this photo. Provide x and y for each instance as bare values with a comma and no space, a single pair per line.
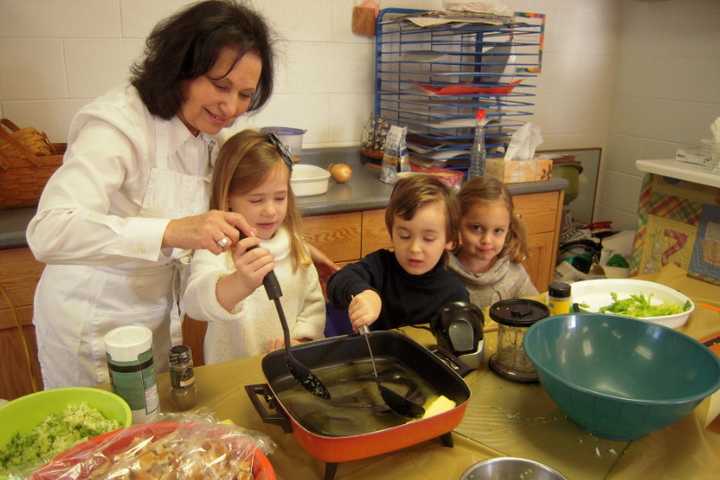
364,191
502,419
680,170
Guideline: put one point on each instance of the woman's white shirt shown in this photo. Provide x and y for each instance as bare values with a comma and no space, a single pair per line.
253,323
88,212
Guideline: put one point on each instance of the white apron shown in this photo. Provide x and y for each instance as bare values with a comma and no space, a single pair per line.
76,305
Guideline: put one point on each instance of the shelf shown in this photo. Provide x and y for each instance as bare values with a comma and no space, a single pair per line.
680,170
433,80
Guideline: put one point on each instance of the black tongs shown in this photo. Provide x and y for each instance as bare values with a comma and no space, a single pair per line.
301,373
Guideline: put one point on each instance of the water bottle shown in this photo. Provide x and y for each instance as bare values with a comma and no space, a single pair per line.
477,153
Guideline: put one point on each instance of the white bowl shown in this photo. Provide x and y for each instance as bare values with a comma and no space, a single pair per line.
596,294
309,180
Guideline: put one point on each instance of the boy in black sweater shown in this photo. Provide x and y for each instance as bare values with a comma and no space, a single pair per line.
410,284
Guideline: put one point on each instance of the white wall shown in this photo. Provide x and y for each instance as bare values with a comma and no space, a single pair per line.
668,93
56,55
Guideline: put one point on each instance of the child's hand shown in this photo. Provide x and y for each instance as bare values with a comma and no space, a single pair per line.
364,308
252,262
278,343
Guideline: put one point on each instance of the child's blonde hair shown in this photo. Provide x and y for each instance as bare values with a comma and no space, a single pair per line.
244,162
416,191
489,189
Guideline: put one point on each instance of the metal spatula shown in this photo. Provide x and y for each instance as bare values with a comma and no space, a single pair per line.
397,403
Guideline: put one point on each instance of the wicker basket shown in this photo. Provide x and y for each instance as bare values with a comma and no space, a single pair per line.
27,159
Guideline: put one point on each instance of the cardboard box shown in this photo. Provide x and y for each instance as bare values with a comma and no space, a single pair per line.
536,170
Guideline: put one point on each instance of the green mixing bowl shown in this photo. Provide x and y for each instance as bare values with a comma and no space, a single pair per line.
25,413
617,377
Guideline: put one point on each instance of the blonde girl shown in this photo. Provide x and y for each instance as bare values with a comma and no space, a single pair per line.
252,177
492,244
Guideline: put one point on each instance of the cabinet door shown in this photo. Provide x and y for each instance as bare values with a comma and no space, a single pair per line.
374,231
338,235
540,212
540,263
19,274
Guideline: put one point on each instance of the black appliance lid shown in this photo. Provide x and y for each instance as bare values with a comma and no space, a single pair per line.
518,312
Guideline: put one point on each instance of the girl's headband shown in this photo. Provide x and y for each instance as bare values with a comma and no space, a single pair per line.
282,149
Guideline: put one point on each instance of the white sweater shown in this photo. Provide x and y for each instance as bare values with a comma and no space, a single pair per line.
254,322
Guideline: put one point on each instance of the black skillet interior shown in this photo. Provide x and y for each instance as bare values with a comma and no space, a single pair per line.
387,346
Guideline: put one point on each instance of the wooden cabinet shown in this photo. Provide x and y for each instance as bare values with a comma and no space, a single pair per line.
19,274
541,214
347,237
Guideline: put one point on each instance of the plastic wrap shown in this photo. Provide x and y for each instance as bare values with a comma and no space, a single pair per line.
166,450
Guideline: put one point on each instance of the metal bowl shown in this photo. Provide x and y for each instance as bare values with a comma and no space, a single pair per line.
506,468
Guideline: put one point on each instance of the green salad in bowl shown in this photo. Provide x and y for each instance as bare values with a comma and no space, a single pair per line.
640,305
38,426
641,299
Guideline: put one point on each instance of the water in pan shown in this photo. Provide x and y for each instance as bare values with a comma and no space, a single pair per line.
356,406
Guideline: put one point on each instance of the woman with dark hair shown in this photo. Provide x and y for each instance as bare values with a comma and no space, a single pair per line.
132,195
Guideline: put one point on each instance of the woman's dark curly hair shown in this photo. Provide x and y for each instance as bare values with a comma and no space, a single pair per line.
186,45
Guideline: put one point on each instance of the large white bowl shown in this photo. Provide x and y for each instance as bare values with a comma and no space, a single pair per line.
596,294
309,180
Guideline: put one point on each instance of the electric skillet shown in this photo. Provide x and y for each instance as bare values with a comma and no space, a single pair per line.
324,356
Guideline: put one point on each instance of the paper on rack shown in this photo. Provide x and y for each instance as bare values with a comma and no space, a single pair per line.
493,7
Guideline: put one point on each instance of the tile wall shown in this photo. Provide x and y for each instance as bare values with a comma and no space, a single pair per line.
56,55
667,93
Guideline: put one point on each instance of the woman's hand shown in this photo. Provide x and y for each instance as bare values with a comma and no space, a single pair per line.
252,264
364,308
205,231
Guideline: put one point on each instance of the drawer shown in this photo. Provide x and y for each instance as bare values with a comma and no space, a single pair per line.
374,231
337,235
538,211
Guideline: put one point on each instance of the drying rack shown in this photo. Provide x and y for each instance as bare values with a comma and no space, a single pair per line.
433,79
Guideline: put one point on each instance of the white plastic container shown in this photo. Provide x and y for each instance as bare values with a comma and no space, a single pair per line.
292,137
309,180
132,369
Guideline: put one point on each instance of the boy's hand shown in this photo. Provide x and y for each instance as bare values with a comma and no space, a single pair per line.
364,308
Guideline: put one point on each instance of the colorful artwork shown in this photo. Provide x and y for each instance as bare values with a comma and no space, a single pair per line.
705,261
669,212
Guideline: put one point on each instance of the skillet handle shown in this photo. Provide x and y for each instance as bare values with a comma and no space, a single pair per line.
280,418
452,361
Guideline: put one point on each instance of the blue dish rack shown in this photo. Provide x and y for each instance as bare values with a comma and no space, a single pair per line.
419,69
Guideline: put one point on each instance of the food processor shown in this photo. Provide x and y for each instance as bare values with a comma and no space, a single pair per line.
458,329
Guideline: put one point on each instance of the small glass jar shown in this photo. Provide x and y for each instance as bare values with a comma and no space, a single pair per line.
559,299
182,378
514,317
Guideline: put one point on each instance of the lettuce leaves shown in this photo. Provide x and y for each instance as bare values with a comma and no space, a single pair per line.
638,305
